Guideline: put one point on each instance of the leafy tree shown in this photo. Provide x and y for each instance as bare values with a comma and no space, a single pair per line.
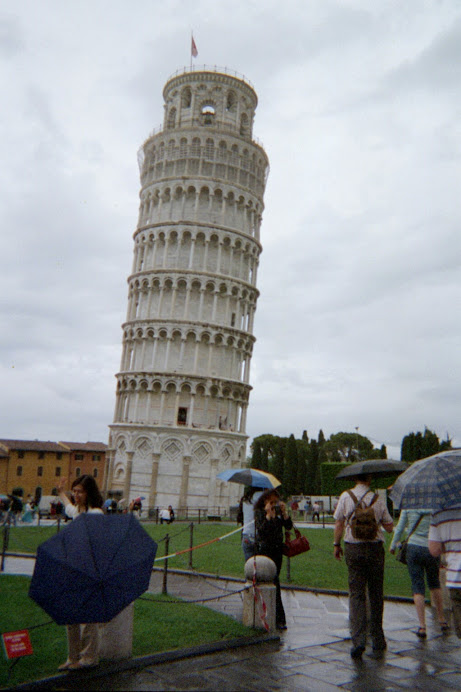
349,447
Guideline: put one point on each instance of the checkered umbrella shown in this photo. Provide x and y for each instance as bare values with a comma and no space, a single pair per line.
432,483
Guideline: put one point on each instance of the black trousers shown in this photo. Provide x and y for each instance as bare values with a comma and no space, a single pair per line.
365,564
277,557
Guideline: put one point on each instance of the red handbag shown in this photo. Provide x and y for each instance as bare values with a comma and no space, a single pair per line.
298,545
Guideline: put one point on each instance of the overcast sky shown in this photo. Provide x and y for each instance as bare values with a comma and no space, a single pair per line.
359,112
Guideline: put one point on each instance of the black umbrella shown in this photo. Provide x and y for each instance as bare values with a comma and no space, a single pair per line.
376,467
92,569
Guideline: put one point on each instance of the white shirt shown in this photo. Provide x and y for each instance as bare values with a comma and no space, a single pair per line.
346,506
249,515
72,511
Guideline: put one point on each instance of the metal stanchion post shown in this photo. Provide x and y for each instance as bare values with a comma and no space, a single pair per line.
6,529
165,566
191,542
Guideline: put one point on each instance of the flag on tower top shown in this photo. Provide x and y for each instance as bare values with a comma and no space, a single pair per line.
193,48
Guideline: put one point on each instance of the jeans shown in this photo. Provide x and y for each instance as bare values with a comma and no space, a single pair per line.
248,546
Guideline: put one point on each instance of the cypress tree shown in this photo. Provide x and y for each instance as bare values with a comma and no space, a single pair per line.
256,456
278,467
291,467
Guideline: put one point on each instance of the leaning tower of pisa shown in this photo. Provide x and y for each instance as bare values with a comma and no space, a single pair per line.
183,386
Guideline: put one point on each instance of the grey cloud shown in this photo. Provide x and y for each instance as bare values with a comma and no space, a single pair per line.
11,37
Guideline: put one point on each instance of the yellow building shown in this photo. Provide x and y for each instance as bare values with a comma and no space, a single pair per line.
33,467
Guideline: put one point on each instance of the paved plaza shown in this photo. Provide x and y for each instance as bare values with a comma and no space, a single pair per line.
313,654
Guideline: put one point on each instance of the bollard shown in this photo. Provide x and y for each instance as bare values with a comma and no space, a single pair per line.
191,542
261,593
165,566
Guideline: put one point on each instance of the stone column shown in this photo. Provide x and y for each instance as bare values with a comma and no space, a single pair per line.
212,485
129,468
153,480
184,482
110,455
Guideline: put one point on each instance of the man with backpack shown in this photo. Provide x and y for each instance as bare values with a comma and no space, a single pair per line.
363,515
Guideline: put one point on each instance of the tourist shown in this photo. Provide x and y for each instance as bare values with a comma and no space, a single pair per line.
82,639
445,537
246,517
365,563
420,562
270,519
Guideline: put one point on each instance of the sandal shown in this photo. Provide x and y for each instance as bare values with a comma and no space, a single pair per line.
444,626
421,633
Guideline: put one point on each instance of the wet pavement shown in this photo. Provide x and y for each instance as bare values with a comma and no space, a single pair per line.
313,654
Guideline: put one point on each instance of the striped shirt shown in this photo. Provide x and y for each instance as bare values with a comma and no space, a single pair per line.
446,529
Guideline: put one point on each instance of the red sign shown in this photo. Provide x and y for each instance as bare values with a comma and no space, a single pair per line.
17,644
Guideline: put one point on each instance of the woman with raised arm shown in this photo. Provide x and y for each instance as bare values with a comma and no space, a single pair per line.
83,639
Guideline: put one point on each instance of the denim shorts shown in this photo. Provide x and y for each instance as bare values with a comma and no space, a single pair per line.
420,561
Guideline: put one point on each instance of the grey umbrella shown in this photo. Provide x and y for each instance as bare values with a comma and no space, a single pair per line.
430,483
375,467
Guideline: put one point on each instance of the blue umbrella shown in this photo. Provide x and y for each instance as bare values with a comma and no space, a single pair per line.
431,483
254,477
91,570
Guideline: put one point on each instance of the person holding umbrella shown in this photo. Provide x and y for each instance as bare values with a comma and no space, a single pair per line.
246,517
364,554
420,562
82,639
435,483
271,518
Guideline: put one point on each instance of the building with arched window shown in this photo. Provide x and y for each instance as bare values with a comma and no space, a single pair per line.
183,386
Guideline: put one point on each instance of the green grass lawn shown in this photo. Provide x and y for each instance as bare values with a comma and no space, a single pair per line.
157,627
315,569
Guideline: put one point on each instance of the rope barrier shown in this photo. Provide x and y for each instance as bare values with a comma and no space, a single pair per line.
199,600
201,545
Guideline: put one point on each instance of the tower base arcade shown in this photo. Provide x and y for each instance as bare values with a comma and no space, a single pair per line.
177,468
